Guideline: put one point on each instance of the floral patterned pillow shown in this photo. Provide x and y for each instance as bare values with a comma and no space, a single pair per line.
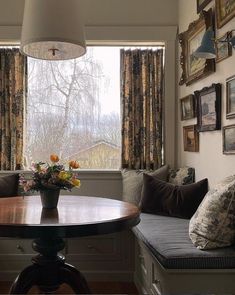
213,224
182,176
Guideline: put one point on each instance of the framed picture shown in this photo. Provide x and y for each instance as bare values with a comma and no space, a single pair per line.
201,4
194,68
187,106
230,97
229,139
225,11
223,49
209,108
191,138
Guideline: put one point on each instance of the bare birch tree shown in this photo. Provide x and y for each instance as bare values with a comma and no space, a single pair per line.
64,114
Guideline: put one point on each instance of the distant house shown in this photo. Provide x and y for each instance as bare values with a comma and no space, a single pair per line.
100,155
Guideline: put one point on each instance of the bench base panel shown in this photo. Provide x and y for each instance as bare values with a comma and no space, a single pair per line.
152,278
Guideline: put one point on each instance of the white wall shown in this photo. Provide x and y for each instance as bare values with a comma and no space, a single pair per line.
210,162
106,12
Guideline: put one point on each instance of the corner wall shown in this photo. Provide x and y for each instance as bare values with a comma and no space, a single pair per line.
210,161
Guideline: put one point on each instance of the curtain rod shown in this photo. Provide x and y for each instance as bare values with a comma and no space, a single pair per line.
98,45
142,47
9,46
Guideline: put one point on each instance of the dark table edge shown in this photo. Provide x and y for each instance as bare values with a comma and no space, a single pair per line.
70,231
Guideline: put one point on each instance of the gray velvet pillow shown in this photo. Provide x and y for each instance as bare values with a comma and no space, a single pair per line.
164,198
9,185
132,181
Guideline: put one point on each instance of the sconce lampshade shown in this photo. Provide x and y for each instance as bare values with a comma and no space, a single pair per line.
207,47
52,30
232,41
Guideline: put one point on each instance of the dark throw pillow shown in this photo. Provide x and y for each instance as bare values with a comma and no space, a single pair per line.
160,197
132,181
9,185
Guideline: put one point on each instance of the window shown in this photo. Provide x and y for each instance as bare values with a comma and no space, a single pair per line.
73,109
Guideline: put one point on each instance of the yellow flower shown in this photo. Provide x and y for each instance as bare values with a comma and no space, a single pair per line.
74,164
64,175
76,182
38,167
54,158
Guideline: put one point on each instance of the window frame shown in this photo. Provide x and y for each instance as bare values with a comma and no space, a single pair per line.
133,35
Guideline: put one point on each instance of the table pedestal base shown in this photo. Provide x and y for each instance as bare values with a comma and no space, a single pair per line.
49,271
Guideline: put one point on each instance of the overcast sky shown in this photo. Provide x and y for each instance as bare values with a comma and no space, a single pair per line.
110,94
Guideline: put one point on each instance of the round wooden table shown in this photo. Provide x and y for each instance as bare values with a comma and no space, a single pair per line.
76,216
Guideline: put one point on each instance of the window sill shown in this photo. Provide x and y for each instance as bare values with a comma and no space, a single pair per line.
83,173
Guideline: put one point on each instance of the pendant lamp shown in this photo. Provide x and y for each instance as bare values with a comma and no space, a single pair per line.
52,30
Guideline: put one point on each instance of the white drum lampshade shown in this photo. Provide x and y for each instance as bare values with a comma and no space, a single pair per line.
52,30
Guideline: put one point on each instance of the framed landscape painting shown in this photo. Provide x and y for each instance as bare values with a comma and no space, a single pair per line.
194,68
187,106
230,97
225,11
209,108
201,4
229,139
191,138
223,49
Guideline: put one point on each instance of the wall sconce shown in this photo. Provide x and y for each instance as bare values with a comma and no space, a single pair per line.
52,30
207,47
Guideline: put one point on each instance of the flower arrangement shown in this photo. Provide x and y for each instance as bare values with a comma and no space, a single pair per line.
51,176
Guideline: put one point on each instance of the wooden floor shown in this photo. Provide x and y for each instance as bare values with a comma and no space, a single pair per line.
96,288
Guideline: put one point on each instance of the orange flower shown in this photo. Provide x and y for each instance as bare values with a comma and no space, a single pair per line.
74,164
54,158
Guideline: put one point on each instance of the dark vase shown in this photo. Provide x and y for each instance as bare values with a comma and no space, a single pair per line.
49,216
49,198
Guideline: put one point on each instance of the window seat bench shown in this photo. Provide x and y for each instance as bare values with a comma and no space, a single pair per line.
168,263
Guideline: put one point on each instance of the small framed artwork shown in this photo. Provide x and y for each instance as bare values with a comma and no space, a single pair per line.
225,11
223,49
201,4
191,138
187,106
209,108
229,139
230,97
194,68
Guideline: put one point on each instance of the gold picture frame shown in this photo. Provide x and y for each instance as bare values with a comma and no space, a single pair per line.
187,107
230,97
194,68
191,138
225,11
201,4
223,49
229,139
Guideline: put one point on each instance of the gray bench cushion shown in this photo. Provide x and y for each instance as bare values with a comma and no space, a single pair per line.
168,240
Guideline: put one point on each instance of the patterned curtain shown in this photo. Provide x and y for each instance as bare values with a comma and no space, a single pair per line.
13,74
142,101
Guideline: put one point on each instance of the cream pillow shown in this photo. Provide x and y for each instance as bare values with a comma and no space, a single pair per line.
213,224
132,181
